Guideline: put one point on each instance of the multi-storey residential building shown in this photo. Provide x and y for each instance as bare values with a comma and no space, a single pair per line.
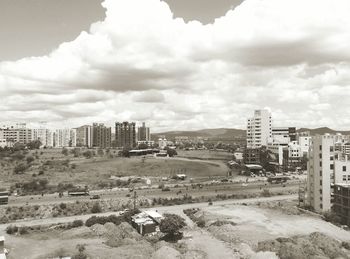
341,205
143,133
12,135
325,168
259,129
304,142
62,138
45,136
125,134
84,136
101,136
283,135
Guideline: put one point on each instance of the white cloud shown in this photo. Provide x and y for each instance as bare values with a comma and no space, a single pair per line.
141,63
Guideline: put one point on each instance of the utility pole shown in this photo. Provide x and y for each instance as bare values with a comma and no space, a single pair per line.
135,196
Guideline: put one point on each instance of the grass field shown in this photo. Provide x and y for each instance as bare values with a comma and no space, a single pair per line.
57,168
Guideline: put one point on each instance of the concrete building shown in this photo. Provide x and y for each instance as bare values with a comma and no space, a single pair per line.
125,135
62,138
304,142
44,135
283,135
162,143
101,136
341,205
143,133
259,129
325,168
149,143
84,136
13,135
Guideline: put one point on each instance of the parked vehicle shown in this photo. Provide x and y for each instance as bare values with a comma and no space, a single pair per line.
95,197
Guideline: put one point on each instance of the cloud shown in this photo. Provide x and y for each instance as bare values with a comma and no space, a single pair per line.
141,63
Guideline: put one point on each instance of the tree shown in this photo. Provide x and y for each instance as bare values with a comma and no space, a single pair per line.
81,252
171,225
76,152
171,152
100,152
65,151
125,153
34,144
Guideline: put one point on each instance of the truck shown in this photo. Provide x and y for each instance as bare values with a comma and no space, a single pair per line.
4,197
78,192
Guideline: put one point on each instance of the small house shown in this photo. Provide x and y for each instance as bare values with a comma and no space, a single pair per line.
147,222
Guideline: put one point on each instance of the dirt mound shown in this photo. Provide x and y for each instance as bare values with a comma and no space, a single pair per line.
166,252
123,234
98,229
315,245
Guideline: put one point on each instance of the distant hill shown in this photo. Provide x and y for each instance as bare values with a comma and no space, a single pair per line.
323,130
221,133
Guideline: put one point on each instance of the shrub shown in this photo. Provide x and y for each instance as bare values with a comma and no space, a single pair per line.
29,159
23,230
96,208
201,223
20,168
11,230
63,206
77,223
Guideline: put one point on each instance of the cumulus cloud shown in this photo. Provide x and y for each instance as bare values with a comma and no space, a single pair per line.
141,63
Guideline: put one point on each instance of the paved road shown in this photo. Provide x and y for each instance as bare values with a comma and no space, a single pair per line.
173,209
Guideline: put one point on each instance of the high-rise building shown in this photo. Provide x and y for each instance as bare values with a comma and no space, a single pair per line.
101,136
125,134
325,168
62,138
283,135
259,129
143,133
45,136
84,136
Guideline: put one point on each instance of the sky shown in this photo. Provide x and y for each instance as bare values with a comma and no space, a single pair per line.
178,65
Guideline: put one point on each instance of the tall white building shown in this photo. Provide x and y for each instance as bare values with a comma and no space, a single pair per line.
326,167
259,129
62,138
45,136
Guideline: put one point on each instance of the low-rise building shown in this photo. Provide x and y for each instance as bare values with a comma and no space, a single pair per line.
147,222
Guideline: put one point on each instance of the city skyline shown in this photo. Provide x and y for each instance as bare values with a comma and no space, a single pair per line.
142,64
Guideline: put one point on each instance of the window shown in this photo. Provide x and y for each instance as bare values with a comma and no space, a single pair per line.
331,149
331,158
344,168
320,182
331,166
348,177
320,147
320,163
321,173
344,177
320,155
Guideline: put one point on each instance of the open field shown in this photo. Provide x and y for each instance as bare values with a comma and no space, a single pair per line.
205,154
52,165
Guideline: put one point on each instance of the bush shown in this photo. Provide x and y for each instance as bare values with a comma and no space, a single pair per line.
11,230
20,168
29,159
23,230
201,223
96,208
63,206
77,223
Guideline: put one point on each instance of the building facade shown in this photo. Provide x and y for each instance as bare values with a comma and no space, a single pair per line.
125,134
341,204
12,135
327,166
84,136
101,136
259,129
143,133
